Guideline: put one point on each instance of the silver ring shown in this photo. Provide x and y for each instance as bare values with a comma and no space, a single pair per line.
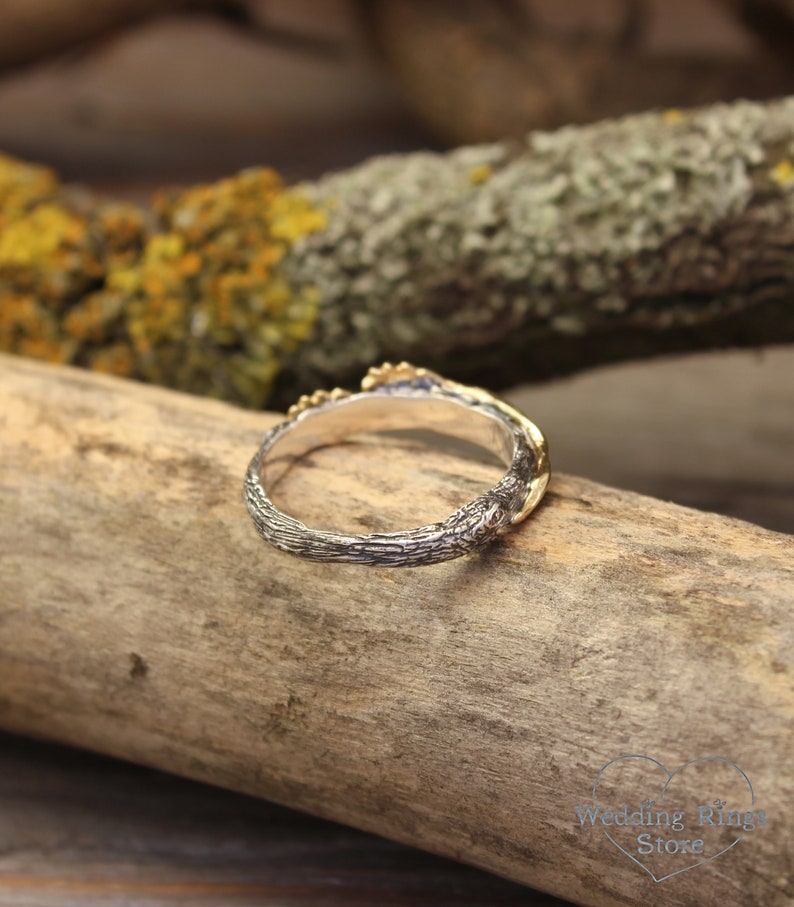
399,397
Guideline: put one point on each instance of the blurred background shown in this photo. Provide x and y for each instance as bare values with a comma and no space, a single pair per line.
126,95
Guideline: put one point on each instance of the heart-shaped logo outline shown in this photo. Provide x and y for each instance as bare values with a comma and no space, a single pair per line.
670,776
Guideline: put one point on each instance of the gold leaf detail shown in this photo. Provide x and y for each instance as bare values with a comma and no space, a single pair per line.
307,401
388,373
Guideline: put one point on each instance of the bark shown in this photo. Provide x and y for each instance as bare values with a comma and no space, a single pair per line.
464,708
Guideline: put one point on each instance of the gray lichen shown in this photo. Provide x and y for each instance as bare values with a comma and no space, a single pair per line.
588,243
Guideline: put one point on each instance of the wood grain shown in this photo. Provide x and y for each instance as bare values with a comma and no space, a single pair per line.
79,829
464,708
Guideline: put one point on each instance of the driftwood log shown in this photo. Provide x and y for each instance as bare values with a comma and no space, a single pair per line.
726,415
465,708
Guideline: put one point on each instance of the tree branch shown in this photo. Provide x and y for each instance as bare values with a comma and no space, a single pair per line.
509,262
499,263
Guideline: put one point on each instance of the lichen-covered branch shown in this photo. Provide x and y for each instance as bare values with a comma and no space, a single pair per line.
189,295
663,231
504,262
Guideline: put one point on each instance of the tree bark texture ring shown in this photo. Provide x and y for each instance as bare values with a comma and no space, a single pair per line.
396,397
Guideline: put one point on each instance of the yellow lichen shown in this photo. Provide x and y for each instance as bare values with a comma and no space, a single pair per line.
56,248
51,349
783,173
34,239
113,360
19,315
672,115
195,299
23,185
206,292
291,216
93,317
480,174
190,264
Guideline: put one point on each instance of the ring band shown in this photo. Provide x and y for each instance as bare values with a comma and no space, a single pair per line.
399,397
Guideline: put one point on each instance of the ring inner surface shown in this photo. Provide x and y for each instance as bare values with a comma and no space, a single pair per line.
355,415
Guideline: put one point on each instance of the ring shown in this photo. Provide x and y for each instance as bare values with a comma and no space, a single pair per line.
402,397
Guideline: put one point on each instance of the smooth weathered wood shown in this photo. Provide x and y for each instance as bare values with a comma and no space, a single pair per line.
712,431
78,829
464,708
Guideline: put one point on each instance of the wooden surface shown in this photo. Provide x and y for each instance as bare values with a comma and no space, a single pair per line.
713,431
463,708
78,829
